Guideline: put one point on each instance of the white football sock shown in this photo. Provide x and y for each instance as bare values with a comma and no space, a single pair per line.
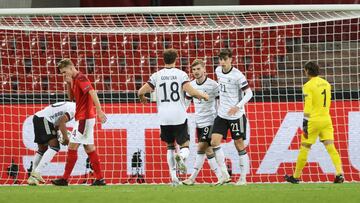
200,158
215,167
244,164
220,159
47,157
184,153
171,162
37,159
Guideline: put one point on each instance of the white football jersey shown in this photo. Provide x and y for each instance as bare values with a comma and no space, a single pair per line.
170,101
205,111
53,112
231,86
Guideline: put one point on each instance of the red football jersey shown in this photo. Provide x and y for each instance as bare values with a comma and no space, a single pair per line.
84,103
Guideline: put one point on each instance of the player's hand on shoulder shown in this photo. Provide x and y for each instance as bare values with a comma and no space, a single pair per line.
143,99
233,110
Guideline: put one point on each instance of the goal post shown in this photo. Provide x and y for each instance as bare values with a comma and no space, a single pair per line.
119,48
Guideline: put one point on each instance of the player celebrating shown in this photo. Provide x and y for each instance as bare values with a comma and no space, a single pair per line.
317,123
205,113
46,122
170,84
231,114
80,89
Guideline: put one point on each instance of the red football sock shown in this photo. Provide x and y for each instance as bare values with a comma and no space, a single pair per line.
95,163
70,163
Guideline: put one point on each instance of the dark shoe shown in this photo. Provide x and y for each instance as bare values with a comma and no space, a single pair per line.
60,182
100,182
339,179
291,179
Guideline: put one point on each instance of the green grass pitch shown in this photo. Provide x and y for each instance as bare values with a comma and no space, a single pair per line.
263,193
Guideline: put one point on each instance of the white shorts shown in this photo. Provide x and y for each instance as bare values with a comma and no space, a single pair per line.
83,132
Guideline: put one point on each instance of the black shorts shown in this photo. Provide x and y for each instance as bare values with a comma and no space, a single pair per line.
43,130
178,133
237,127
204,134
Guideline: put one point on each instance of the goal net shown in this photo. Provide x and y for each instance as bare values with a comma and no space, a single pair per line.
119,48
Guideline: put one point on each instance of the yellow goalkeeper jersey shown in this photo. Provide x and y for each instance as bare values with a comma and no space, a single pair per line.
317,95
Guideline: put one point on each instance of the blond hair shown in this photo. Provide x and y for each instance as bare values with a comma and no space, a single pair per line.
197,62
63,63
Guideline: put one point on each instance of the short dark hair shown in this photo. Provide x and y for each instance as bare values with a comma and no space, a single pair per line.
197,62
312,68
170,56
63,63
225,53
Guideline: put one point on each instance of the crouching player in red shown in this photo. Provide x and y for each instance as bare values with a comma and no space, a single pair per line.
80,90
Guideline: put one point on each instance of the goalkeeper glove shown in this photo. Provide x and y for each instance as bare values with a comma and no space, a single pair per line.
305,128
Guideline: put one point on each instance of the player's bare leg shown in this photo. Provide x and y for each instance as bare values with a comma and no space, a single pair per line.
243,160
220,157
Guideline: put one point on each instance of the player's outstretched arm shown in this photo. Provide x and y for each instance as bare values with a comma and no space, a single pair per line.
61,125
146,88
96,101
194,93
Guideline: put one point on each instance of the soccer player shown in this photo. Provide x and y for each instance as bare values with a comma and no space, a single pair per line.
169,85
80,90
205,113
46,122
234,93
316,123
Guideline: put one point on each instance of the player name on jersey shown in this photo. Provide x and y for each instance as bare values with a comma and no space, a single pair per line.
169,95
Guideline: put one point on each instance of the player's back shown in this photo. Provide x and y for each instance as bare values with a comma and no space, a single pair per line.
168,84
54,111
320,91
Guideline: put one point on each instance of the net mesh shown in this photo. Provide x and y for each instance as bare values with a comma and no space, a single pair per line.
119,53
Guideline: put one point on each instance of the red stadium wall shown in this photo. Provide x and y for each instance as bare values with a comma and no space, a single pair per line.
274,143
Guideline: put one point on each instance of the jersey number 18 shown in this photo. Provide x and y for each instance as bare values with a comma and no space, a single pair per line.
174,92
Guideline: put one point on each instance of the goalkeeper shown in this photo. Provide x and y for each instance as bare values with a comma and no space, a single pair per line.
317,123
46,124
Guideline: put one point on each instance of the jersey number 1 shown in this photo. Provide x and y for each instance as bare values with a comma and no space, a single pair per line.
324,93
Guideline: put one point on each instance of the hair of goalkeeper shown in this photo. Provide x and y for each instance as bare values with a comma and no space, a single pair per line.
170,56
312,68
